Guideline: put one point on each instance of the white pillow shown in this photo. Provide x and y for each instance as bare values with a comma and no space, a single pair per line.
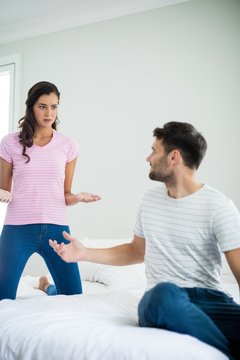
131,276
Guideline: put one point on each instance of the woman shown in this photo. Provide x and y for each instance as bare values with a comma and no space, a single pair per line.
37,166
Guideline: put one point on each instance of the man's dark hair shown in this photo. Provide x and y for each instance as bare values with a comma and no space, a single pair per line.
185,138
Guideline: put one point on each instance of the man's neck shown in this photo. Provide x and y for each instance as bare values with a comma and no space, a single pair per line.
183,187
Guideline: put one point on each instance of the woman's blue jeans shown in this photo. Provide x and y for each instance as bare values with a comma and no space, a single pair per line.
19,242
209,315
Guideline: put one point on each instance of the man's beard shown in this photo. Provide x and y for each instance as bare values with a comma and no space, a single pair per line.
164,178
161,173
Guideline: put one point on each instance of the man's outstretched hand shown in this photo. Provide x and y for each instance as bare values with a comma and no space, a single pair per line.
72,252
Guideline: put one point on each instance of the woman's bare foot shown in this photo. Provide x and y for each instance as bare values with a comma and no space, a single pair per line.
43,283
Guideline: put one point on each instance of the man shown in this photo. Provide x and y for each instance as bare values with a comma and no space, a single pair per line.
181,229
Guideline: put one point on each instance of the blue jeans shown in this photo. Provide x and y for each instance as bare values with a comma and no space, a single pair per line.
19,242
209,315
51,290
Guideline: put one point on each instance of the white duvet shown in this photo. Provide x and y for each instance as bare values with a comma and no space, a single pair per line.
89,327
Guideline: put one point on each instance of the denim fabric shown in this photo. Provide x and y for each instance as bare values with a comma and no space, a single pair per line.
51,290
209,315
19,242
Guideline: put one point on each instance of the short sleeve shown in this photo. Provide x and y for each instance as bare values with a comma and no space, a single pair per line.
4,149
73,150
138,229
226,226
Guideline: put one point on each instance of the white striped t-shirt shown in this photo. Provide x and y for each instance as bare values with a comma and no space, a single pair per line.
184,237
38,186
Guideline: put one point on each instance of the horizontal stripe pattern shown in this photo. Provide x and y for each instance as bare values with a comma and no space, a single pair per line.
185,237
38,186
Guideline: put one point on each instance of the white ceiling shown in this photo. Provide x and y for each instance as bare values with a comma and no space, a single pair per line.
21,19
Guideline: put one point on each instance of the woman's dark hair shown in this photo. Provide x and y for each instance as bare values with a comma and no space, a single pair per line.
185,138
27,124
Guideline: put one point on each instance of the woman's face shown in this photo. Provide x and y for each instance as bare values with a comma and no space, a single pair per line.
45,110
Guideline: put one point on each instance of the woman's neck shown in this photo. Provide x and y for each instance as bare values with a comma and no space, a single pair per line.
43,133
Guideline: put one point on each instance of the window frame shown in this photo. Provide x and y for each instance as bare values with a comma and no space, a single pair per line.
13,63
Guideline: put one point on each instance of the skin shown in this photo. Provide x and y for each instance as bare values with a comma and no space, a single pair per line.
5,175
180,181
5,196
45,111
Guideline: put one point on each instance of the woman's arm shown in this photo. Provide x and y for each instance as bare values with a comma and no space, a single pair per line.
70,198
5,180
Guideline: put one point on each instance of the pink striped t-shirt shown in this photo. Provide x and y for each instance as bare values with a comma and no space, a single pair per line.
38,186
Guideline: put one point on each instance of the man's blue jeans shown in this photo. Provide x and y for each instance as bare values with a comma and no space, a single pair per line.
209,315
19,242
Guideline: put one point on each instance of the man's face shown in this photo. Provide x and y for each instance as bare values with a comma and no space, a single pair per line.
160,163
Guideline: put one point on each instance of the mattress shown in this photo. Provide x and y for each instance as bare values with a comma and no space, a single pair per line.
100,324
97,325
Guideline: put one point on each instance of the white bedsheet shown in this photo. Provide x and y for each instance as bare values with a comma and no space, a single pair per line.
89,327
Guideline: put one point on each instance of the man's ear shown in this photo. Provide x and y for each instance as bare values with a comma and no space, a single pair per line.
175,156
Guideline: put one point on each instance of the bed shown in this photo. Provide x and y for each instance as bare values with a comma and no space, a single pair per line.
99,324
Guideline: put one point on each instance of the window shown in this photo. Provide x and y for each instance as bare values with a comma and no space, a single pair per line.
9,100
6,98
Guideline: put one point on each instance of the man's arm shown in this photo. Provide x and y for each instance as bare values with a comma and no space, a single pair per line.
233,259
125,254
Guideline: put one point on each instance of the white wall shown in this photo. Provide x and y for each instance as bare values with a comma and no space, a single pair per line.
120,79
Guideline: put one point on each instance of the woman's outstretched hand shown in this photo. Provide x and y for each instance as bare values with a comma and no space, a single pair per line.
87,197
5,196
72,252
72,199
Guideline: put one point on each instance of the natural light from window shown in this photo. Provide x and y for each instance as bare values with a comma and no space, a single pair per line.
5,81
